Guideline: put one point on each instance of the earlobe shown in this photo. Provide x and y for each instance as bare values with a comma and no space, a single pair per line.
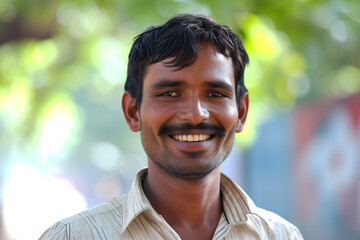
131,112
243,111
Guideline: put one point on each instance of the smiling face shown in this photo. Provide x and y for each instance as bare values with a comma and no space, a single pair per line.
188,117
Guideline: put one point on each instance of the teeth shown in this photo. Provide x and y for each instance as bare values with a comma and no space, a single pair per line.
191,138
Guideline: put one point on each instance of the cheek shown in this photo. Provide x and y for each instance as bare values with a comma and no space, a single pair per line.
155,116
228,116
159,112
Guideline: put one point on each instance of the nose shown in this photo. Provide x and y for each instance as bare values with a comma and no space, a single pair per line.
194,111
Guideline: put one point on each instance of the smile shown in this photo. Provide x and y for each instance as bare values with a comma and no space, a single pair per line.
192,138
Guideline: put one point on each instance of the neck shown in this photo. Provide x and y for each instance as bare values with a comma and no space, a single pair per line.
184,202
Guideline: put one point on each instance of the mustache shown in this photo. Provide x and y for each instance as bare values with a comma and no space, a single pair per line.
182,127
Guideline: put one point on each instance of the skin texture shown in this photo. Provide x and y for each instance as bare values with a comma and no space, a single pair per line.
183,182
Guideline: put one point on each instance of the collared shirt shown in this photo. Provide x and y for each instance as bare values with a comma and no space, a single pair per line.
131,216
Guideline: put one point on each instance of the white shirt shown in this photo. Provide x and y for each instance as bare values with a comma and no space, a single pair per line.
131,216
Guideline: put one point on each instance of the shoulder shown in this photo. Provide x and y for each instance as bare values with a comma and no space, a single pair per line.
277,227
95,223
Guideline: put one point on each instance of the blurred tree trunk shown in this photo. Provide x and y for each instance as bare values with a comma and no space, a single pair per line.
18,29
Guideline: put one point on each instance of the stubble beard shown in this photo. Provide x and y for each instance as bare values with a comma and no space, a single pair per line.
169,165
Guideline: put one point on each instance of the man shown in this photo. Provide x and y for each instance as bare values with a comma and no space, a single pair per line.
185,93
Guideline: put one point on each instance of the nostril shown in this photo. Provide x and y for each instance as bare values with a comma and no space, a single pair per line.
194,110
194,116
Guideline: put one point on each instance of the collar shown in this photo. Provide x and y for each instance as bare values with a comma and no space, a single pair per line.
236,203
135,201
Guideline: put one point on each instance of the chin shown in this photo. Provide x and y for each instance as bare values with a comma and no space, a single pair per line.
190,173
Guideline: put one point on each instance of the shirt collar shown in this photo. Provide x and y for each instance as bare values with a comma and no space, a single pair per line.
236,203
135,201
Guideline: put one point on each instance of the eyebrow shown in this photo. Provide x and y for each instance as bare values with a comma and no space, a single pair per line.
167,83
212,84
219,84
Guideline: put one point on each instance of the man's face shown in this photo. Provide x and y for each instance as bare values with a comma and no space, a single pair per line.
189,116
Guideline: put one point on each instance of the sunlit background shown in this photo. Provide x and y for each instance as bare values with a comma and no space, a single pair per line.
64,144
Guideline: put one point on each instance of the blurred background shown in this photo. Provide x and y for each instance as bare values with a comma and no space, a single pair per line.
64,144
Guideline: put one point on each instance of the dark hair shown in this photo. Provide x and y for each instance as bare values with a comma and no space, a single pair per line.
180,38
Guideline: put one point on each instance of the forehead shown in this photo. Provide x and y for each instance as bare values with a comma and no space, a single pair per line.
210,65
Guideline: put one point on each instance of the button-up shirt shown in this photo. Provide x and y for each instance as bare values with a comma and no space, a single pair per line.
131,216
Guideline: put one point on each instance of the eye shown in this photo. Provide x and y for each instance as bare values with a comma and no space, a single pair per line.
168,94
216,94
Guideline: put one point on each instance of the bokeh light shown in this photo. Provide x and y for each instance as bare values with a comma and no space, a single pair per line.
29,196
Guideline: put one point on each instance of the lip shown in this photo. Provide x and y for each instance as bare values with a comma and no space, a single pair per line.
192,132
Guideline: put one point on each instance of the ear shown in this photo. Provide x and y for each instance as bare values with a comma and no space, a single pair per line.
131,112
243,111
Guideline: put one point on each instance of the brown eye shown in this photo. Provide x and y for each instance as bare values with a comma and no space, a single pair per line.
215,94
169,94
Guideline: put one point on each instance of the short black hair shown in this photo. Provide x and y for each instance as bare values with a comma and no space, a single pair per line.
180,38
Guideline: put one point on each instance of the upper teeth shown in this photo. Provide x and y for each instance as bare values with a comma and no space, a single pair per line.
191,138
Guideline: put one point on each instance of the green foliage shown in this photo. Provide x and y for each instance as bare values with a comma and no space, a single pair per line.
63,64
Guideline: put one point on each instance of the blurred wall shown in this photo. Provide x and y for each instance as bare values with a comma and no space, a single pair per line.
305,164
